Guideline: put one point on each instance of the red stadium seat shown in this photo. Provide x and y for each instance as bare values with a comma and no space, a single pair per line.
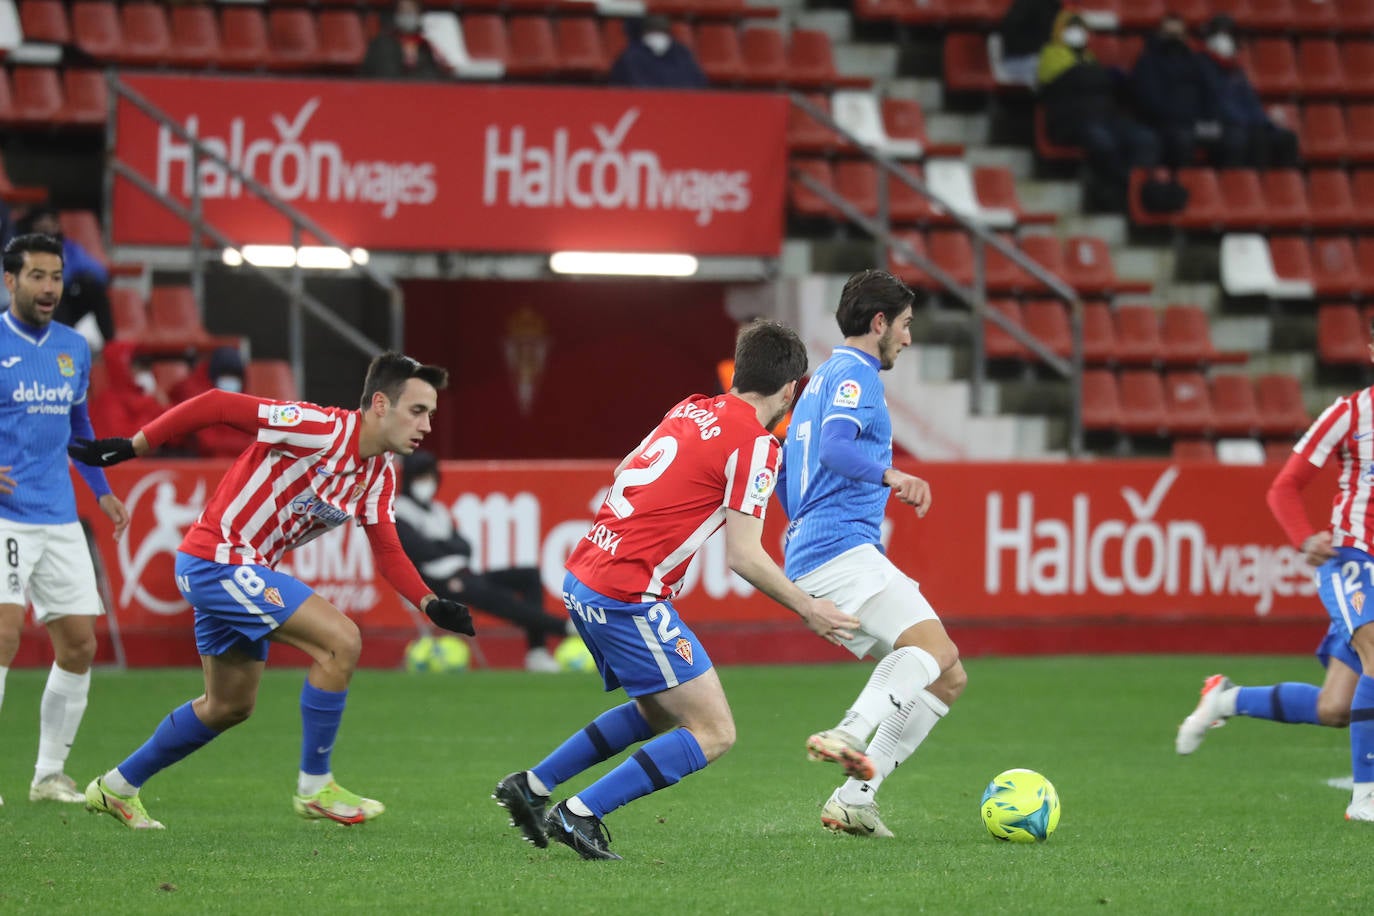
1359,132
1342,337
533,50
7,115
1364,261
807,135
902,268
1001,273
1188,402
44,21
195,40
1305,15
995,187
1320,70
1186,336
1137,335
1336,273
765,56
341,41
243,38
811,62
1332,201
997,343
1144,411
82,227
1088,266
1242,198
1362,194
1285,199
1046,148
10,192
580,53
146,35
718,52
1048,321
967,68
37,95
806,202
1195,450
96,29
907,205
86,100
1099,334
1355,15
270,378
1291,258
1280,402
1046,251
1205,211
174,315
952,253
924,12
129,312
1101,400
292,43
857,182
1322,133
1358,58
1142,14
1272,66
1233,405
903,119
484,34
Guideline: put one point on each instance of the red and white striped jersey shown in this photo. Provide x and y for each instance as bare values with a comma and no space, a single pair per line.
709,454
1346,430
302,477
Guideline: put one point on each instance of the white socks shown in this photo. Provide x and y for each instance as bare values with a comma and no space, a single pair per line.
1226,701
310,783
896,740
116,783
899,677
3,672
63,705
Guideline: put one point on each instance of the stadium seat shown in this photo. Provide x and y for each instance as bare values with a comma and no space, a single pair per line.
1242,199
1278,451
1137,335
1205,211
905,122
533,50
1046,148
1193,450
11,193
857,111
292,42
146,36
1048,321
1362,194
195,39
953,253
1359,133
1001,273
484,37
82,227
995,188
1272,66
37,95
1099,334
580,54
243,38
1046,251
966,64
718,52
857,182
1303,15
173,316
129,312
1285,198
901,267
1233,405
1332,201
1336,274
1364,261
1342,336
464,54
1189,404
1358,57
1322,133
1101,401
806,202
1088,267
1292,265
1144,411
905,204
85,98
764,52
270,378
1280,403
807,135
96,29
44,21
341,41
1186,336
1320,70
1355,15
811,62
997,343
951,180
168,373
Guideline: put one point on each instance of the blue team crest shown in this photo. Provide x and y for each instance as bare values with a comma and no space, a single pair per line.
65,365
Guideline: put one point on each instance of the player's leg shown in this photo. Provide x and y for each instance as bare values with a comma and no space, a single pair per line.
11,622
20,547
1361,806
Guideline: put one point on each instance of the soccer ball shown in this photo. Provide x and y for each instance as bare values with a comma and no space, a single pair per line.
572,654
1020,806
444,654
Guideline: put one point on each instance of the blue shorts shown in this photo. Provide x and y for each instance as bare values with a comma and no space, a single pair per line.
236,606
1346,586
1336,645
644,647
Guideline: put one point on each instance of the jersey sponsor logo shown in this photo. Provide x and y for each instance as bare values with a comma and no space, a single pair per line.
284,415
45,398
683,648
707,422
761,487
273,596
310,504
847,395
11,362
65,365
604,538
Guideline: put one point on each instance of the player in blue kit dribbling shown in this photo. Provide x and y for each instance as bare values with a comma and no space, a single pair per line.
44,369
837,480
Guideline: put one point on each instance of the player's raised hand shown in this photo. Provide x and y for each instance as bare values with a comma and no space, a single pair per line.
7,483
829,622
101,453
450,615
908,489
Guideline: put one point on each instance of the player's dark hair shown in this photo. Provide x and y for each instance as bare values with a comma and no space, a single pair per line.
768,355
21,245
868,294
390,371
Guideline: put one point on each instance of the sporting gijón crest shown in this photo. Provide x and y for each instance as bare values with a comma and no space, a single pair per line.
684,649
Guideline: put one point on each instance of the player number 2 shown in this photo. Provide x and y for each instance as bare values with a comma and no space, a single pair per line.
1351,571
660,615
660,453
249,581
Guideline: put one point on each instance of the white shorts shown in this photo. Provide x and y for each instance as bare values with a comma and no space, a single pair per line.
863,583
50,565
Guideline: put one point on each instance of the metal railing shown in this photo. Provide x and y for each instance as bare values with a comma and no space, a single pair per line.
300,300
975,297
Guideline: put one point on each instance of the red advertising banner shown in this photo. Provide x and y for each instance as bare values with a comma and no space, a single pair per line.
437,167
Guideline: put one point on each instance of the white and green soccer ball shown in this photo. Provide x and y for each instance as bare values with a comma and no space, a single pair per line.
1020,806
441,654
572,654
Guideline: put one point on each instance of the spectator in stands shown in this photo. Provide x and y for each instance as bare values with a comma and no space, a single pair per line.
130,397
401,51
1079,95
654,59
6,233
86,281
443,557
1024,31
1249,137
222,369
1172,92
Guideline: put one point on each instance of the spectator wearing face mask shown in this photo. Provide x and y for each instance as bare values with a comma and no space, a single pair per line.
656,60
1249,137
130,398
444,559
222,369
1024,30
1079,97
1173,94
402,52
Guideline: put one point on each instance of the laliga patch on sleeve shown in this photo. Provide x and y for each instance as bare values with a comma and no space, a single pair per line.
761,486
847,395
284,415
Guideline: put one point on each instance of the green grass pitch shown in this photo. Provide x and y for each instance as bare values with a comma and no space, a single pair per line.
1246,825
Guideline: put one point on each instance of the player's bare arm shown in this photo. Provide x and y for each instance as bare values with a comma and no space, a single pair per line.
114,510
745,553
909,489
7,483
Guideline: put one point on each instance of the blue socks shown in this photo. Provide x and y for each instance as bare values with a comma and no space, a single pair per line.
659,764
1287,702
321,713
176,736
1362,731
607,735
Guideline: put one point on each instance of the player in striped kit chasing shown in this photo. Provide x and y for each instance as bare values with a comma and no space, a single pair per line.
309,470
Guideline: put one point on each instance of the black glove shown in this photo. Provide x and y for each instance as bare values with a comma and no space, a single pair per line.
101,453
450,615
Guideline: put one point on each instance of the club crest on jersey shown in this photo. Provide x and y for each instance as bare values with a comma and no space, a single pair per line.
284,415
273,595
847,395
684,649
357,492
1357,602
761,487
65,365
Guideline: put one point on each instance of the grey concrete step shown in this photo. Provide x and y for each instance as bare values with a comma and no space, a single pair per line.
877,61
1020,161
1050,196
1133,262
929,92
1106,226
1248,333
968,129
838,24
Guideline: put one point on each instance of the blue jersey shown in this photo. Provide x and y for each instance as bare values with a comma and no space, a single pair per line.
43,377
832,513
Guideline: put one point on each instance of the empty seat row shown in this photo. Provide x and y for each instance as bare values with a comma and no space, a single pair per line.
1343,332
1337,16
896,127
1294,267
1144,402
168,322
1233,451
1124,335
1279,199
1084,262
42,96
